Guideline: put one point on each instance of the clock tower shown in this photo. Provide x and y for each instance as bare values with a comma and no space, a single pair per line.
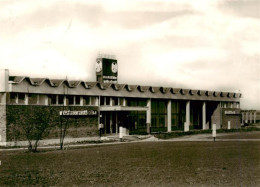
106,69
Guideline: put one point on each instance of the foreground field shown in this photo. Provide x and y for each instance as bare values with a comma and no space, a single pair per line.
139,164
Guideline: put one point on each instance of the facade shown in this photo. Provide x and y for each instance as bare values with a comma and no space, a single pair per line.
250,116
135,108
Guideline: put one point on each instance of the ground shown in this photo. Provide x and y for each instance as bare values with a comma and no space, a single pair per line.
158,163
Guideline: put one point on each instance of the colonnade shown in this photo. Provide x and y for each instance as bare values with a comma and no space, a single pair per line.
169,116
248,117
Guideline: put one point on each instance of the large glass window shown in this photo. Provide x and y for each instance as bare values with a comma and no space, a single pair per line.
60,99
42,99
136,102
13,98
86,100
21,98
77,99
159,115
94,100
178,114
32,99
70,99
107,100
52,99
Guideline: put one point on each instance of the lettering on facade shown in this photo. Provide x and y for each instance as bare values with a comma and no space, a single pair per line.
110,77
230,112
78,113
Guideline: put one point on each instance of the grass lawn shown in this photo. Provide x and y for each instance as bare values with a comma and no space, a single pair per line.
137,164
240,135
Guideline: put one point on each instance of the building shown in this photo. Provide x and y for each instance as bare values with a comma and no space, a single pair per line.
135,108
250,116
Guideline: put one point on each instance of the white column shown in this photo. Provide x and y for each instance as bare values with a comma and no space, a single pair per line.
229,125
81,101
26,99
116,124
124,102
38,99
242,113
246,117
16,99
169,116
111,101
188,113
64,101
97,101
46,100
110,123
204,115
148,115
74,100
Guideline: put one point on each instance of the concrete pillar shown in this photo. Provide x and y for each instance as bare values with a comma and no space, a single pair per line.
243,117
81,101
124,102
188,113
246,117
116,124
97,101
111,101
46,100
16,99
148,116
26,99
110,123
65,101
204,116
74,100
229,125
169,116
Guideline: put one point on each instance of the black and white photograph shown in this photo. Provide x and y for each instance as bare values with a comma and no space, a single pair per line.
130,93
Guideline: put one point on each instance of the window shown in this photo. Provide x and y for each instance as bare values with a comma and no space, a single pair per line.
77,100
21,98
60,99
42,99
114,101
107,100
32,99
52,99
86,100
94,100
13,98
70,99
121,101
102,101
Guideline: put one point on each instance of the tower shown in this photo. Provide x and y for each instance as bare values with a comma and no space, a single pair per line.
106,69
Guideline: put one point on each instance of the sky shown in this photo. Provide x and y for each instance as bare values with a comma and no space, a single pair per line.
208,45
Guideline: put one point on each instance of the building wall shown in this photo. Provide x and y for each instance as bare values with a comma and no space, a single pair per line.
2,124
80,126
234,119
216,117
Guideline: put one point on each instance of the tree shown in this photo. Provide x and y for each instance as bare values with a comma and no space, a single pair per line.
34,123
64,125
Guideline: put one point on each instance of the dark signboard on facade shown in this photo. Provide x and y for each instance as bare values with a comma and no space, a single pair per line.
106,70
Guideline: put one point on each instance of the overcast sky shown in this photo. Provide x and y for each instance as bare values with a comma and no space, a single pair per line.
202,44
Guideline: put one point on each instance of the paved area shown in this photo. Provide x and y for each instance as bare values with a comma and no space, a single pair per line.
151,138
